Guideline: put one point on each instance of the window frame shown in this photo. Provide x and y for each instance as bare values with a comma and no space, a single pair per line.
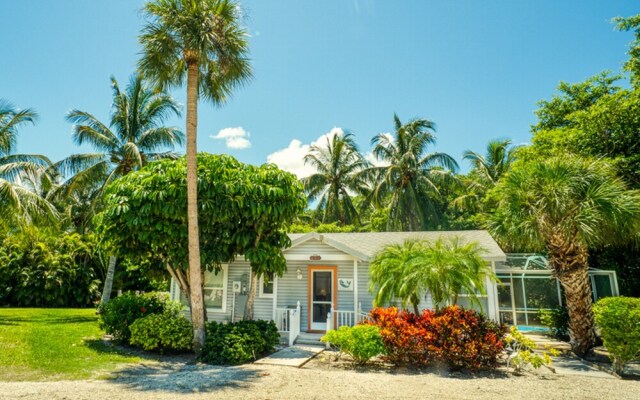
261,283
225,278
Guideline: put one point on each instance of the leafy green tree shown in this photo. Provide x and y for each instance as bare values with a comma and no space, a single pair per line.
21,175
134,136
203,42
411,177
571,97
340,174
564,206
445,269
244,209
633,63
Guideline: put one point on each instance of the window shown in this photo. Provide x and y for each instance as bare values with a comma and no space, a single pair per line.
266,285
215,290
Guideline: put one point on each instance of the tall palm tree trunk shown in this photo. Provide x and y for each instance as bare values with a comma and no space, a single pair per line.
108,281
570,262
195,271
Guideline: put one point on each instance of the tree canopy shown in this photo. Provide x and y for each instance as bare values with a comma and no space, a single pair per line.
244,209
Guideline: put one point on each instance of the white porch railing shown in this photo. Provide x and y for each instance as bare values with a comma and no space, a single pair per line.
338,318
288,321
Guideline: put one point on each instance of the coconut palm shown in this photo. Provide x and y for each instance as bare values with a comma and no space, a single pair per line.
21,175
444,269
134,136
486,171
203,42
340,169
566,206
411,177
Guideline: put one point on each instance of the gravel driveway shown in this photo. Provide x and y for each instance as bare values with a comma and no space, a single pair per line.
317,380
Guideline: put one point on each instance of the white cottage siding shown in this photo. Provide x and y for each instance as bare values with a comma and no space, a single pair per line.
364,296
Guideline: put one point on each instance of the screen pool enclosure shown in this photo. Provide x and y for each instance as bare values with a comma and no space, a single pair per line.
527,286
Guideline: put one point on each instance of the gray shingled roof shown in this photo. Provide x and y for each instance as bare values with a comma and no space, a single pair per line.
365,245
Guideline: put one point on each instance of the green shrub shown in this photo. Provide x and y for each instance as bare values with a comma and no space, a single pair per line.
239,342
41,269
618,324
118,314
557,320
169,331
362,342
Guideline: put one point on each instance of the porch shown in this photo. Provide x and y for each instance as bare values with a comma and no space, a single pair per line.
287,321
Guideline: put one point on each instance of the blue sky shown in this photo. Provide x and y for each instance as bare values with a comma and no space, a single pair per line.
476,68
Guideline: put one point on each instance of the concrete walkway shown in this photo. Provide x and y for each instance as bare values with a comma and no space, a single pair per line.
293,356
569,364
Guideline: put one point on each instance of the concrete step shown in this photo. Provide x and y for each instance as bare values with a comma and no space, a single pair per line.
310,339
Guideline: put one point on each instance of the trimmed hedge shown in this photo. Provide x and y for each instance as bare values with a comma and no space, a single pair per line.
239,342
618,323
167,332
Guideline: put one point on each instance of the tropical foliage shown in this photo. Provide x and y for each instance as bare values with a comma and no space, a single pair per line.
564,206
453,336
444,269
44,269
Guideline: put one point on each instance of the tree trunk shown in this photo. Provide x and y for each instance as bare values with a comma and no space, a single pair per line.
195,271
569,260
251,296
108,281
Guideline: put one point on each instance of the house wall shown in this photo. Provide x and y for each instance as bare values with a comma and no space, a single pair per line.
291,289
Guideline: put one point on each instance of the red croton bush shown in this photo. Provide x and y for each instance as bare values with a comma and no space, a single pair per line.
458,338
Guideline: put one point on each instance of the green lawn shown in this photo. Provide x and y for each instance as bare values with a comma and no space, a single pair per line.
54,344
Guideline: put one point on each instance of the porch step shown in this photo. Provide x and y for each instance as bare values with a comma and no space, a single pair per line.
310,339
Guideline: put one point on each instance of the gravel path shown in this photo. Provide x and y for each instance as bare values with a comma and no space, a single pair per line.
317,380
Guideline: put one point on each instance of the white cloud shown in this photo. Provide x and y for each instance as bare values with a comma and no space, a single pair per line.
235,138
291,158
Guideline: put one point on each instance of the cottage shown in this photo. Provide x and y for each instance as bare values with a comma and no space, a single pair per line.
327,281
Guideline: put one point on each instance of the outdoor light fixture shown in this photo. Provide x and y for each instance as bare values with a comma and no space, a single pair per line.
299,273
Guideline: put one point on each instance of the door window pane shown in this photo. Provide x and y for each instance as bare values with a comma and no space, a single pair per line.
320,312
322,286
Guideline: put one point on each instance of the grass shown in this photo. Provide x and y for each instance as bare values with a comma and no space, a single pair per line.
53,344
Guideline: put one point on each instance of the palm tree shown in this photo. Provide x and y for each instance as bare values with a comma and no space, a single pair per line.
497,161
486,172
444,269
20,174
340,169
411,177
566,206
203,42
134,137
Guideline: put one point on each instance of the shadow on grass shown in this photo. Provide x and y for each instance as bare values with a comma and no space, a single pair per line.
178,377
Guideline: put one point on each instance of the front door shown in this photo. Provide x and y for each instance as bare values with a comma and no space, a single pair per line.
321,296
